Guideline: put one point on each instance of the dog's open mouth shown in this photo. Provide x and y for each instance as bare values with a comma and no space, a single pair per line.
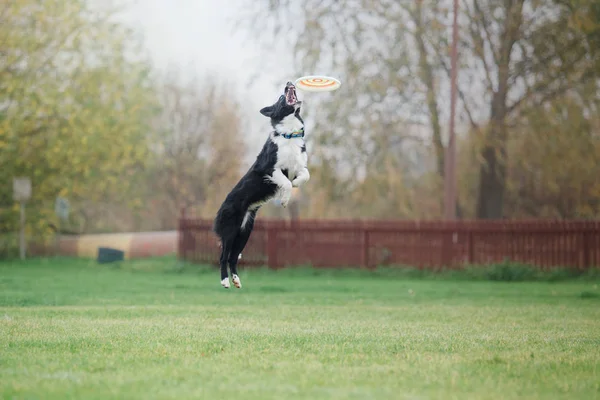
290,94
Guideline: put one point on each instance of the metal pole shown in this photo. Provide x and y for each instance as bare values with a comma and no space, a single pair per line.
22,232
450,170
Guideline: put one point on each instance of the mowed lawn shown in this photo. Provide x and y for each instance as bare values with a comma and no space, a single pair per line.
161,330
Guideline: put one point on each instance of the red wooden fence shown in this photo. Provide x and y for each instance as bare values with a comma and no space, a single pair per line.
429,244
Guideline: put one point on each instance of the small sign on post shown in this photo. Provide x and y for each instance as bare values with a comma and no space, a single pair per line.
22,193
21,189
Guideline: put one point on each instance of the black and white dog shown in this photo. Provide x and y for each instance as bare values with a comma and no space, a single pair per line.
281,165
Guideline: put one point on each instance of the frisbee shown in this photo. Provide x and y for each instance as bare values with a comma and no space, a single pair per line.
317,83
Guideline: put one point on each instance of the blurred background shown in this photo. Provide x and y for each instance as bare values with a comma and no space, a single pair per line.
123,113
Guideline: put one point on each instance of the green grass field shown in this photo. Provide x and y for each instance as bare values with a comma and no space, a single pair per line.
161,330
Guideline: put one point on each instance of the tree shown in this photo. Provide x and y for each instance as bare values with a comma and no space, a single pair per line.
76,101
390,90
529,53
515,55
560,179
194,160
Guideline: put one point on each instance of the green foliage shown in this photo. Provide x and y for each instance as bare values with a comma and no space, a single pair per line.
505,272
9,245
516,272
76,102
560,179
509,272
590,295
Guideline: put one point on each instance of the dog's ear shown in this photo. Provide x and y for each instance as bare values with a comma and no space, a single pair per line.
267,111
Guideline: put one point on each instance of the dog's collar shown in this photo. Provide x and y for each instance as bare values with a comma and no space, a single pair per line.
295,134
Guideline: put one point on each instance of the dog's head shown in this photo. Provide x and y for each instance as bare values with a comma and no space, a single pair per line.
287,105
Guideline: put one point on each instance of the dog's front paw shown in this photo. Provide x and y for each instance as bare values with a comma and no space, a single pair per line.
285,193
298,182
285,199
302,178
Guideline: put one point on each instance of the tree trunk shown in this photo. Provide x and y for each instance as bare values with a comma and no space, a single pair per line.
492,174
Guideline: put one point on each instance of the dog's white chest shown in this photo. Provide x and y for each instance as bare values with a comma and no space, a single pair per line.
290,155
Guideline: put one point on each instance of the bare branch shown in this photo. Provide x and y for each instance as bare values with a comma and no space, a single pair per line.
532,66
544,92
483,24
479,47
461,93
545,85
462,96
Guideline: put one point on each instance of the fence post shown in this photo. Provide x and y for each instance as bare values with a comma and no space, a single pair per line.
272,247
365,252
586,249
470,251
447,239
180,232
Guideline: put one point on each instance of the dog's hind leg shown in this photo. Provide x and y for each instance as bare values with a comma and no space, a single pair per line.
239,244
225,251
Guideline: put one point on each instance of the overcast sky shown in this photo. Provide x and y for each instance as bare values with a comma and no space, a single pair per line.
198,36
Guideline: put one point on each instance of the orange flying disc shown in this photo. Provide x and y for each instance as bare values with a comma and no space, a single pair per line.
317,83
